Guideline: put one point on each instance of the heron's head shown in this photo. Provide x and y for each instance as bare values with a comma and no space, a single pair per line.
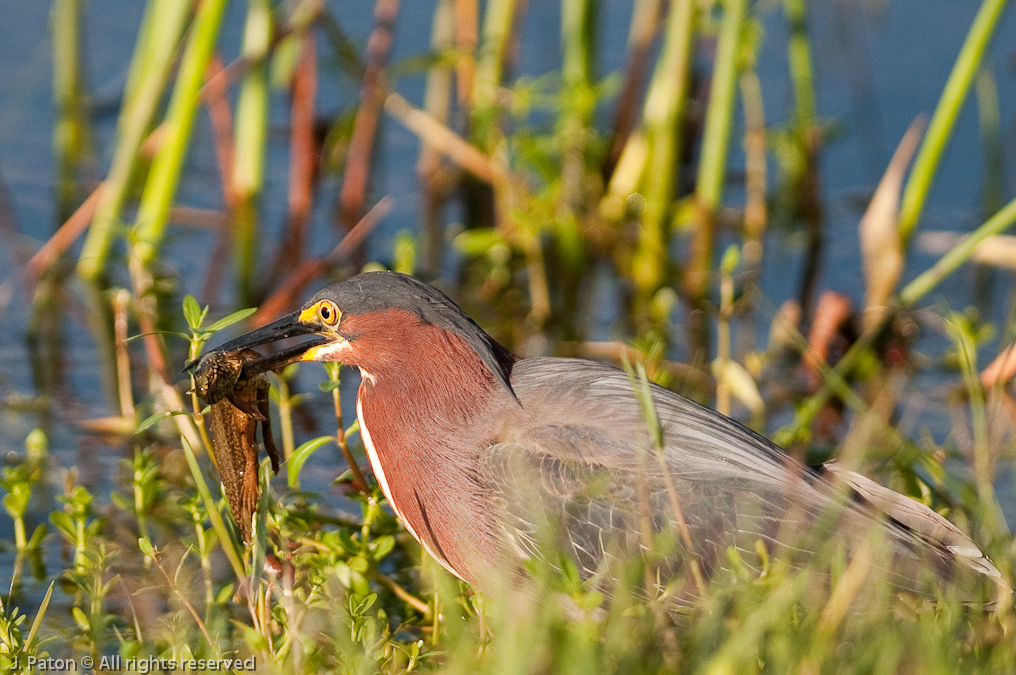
380,322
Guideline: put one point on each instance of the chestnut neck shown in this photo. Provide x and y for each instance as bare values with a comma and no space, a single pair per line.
429,405
422,373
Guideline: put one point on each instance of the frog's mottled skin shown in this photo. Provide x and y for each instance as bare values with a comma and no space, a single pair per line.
238,403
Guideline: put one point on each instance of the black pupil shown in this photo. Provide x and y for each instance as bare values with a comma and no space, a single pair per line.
326,312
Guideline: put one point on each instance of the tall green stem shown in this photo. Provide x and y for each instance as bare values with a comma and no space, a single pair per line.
942,122
251,140
161,29
160,188
713,162
71,134
722,104
664,112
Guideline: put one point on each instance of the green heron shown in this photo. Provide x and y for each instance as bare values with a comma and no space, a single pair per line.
481,453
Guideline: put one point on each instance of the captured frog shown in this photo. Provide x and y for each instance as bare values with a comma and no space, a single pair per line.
239,402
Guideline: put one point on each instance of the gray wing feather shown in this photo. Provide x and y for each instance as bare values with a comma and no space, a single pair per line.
574,474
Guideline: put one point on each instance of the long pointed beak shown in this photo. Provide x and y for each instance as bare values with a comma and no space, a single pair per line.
286,327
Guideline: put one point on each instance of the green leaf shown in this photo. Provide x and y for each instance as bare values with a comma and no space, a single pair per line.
192,312
146,547
16,501
225,594
383,546
301,454
152,420
80,618
38,618
36,540
328,386
366,603
63,522
235,317
476,242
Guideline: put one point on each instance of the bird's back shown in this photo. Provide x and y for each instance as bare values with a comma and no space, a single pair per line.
585,465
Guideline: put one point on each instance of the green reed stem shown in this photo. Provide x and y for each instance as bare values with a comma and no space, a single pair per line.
251,139
225,538
949,105
801,71
578,100
499,16
663,114
71,134
161,29
160,188
720,114
948,263
989,117
713,158
577,44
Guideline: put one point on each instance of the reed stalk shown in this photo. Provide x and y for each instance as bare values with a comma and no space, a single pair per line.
161,29
989,116
498,21
807,196
250,142
712,173
360,153
756,209
71,135
437,101
164,176
940,128
660,141
467,28
799,57
642,30
578,30
722,105
578,103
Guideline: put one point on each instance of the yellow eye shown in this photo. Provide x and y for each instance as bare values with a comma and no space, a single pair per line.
328,312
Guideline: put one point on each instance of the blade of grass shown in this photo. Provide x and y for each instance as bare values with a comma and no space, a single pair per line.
160,188
712,171
250,141
37,623
660,140
225,538
154,53
946,112
71,133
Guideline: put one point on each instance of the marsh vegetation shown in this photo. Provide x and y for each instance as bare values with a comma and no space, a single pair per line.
663,204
